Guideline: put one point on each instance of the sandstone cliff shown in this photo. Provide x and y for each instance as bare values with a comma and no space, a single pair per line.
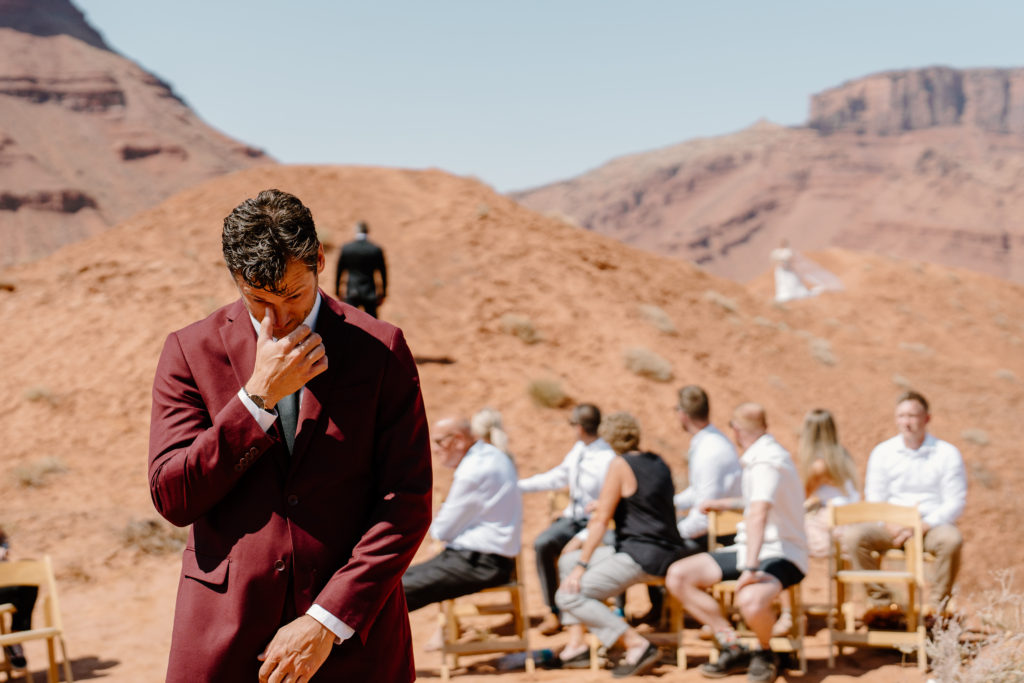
897,101
945,189
87,137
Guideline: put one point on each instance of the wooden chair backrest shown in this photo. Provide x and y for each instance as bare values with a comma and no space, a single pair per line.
885,513
37,573
722,523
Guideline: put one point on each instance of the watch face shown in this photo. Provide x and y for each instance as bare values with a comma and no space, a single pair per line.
258,400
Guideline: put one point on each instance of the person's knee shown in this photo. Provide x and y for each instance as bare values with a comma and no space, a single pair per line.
566,601
547,545
755,600
945,539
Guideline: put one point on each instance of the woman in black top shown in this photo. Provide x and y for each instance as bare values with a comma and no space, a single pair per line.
637,493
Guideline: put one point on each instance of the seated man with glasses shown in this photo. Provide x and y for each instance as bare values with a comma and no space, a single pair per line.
479,523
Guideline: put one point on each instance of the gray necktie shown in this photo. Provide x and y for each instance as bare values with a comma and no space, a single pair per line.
288,411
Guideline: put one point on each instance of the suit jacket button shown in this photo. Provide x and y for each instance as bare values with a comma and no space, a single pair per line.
252,452
279,565
243,462
293,499
239,468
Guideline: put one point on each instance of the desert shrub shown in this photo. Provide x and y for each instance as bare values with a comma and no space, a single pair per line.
1006,375
915,347
37,473
902,382
822,351
984,475
997,656
658,318
646,363
978,437
725,303
520,326
482,210
39,393
548,393
153,537
763,321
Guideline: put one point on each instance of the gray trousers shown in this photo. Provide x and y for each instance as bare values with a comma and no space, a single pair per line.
609,574
943,541
548,547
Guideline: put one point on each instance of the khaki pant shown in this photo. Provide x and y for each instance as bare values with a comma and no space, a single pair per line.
944,542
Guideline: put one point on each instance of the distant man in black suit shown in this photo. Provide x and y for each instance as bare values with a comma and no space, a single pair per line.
361,259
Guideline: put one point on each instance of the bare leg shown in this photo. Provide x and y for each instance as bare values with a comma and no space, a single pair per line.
755,603
687,580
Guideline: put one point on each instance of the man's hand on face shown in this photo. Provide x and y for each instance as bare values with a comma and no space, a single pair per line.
283,366
296,652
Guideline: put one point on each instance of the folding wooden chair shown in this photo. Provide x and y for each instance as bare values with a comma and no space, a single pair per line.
37,573
842,623
724,523
453,613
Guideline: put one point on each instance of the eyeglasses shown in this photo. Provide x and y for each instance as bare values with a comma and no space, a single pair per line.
441,441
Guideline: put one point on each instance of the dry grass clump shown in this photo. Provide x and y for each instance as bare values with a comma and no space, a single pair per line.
548,393
520,326
38,472
902,382
978,437
996,654
984,475
1006,375
647,363
725,303
658,318
153,537
916,347
821,349
39,393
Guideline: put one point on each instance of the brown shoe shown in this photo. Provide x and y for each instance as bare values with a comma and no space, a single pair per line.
550,625
885,618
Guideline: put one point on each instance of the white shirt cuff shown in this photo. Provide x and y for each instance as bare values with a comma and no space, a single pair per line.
265,418
339,628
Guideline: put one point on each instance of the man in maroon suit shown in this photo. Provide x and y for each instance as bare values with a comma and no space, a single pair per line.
288,429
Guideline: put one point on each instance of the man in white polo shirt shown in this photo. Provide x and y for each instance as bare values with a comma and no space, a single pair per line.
480,522
914,468
770,553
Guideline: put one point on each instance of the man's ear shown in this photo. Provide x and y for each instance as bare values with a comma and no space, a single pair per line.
320,260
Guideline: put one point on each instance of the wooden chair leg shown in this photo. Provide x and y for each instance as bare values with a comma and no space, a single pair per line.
593,651
67,661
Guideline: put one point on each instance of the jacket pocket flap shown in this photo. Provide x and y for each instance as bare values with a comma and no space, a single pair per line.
205,568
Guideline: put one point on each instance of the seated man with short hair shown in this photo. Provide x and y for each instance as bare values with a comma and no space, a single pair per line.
480,522
770,553
913,468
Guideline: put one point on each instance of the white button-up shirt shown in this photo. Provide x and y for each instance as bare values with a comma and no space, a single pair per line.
932,478
484,509
769,475
714,472
582,470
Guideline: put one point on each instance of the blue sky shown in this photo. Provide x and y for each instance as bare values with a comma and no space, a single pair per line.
523,93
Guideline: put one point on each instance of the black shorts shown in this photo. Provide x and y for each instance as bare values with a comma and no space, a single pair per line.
782,569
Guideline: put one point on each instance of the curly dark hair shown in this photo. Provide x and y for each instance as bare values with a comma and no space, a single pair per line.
263,234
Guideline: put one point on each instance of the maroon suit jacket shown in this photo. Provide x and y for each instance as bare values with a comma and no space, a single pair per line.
336,522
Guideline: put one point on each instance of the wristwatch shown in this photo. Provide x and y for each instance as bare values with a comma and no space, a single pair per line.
581,563
752,569
258,401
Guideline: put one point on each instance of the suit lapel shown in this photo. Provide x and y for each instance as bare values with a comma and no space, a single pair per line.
331,327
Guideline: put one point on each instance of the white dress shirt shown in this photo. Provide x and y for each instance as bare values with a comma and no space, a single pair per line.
484,509
769,475
265,418
583,470
932,478
714,472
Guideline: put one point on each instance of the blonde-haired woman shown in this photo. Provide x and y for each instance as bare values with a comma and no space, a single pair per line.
486,425
829,476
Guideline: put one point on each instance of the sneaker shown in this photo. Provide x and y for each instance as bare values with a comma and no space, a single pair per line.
763,667
885,618
734,659
16,656
580,661
550,625
647,661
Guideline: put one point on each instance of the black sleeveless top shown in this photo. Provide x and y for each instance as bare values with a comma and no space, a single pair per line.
645,523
